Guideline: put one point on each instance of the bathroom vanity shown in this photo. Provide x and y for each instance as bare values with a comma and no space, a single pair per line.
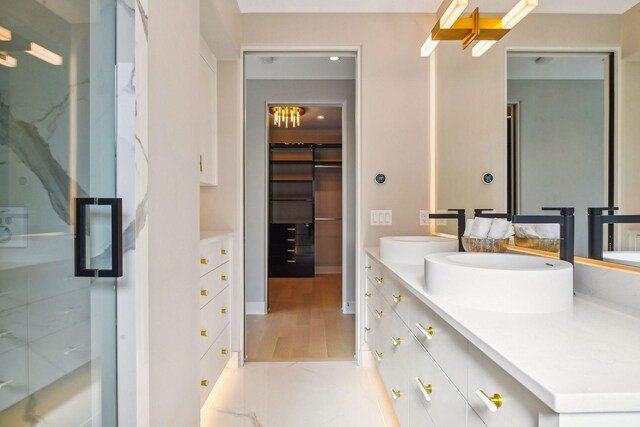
450,365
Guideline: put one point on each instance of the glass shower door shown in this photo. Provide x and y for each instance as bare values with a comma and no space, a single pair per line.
59,221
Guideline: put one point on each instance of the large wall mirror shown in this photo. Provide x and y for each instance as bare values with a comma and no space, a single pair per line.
553,113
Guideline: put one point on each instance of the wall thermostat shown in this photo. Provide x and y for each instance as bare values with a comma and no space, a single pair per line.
380,178
487,178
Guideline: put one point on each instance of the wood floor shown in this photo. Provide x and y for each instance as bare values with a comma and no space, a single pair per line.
305,322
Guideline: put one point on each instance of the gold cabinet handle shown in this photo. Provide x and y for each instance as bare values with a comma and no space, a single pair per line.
291,240
367,295
291,228
367,267
397,298
396,394
291,250
426,390
396,341
492,403
203,333
291,261
204,261
200,163
427,332
223,311
367,329
224,351
223,252
379,279
379,355
203,383
204,292
224,278
379,313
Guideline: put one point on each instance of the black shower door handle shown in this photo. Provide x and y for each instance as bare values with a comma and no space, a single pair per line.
80,243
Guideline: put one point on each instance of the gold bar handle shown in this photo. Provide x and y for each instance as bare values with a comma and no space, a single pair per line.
396,394
492,403
224,352
367,295
379,279
223,252
291,261
291,240
367,329
367,267
397,298
204,261
426,390
379,313
203,333
203,383
396,341
427,332
291,228
379,355
223,311
291,250
223,277
203,292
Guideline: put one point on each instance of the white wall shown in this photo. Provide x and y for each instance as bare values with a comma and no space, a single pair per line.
394,104
173,213
258,93
471,125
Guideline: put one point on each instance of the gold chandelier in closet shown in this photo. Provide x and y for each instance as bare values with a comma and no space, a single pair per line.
286,114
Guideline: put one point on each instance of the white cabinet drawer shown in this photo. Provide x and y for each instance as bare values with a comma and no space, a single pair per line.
13,329
54,278
53,314
212,283
214,317
212,255
212,364
13,287
446,406
519,407
400,301
447,347
473,420
13,373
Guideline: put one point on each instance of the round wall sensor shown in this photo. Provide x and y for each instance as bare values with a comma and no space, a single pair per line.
487,178
380,178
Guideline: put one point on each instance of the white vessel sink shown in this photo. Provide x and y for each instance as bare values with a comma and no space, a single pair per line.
506,283
412,249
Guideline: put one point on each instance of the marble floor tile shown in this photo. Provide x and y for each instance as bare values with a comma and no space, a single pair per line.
287,394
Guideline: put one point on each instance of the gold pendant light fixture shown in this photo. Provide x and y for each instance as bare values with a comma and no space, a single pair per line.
486,31
286,114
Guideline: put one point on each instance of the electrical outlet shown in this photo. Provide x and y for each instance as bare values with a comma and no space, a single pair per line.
424,217
381,217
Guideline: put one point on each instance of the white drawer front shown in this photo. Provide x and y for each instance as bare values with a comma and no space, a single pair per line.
214,317
400,301
52,279
53,314
57,354
212,255
519,407
473,420
13,329
447,347
13,288
212,283
13,373
212,364
444,403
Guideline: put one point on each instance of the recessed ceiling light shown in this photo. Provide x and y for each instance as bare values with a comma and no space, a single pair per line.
334,58
321,117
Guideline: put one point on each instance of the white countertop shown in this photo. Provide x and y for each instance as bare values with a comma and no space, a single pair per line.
586,359
212,236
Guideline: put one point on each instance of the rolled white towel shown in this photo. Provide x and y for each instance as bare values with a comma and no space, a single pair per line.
548,231
499,228
520,230
530,231
480,228
510,231
467,227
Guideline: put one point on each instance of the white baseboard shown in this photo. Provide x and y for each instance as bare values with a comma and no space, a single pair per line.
255,307
350,308
332,269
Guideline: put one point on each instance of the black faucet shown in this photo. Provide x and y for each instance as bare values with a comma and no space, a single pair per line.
595,222
488,213
566,221
458,214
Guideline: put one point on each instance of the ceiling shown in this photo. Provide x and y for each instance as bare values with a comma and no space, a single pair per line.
332,118
428,6
549,66
288,67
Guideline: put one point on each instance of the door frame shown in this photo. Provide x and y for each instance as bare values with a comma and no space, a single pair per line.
359,254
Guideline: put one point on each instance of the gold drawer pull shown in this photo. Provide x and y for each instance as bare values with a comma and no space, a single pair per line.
367,295
427,332
426,390
397,298
396,341
224,278
379,355
291,240
203,333
204,383
492,403
379,313
291,228
203,292
379,279
224,351
396,394
223,252
367,329
204,261
291,261
367,267
223,311
291,250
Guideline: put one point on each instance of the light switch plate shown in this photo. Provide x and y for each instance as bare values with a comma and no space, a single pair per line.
381,217
424,217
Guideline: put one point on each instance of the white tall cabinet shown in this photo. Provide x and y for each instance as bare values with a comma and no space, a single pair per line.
208,111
